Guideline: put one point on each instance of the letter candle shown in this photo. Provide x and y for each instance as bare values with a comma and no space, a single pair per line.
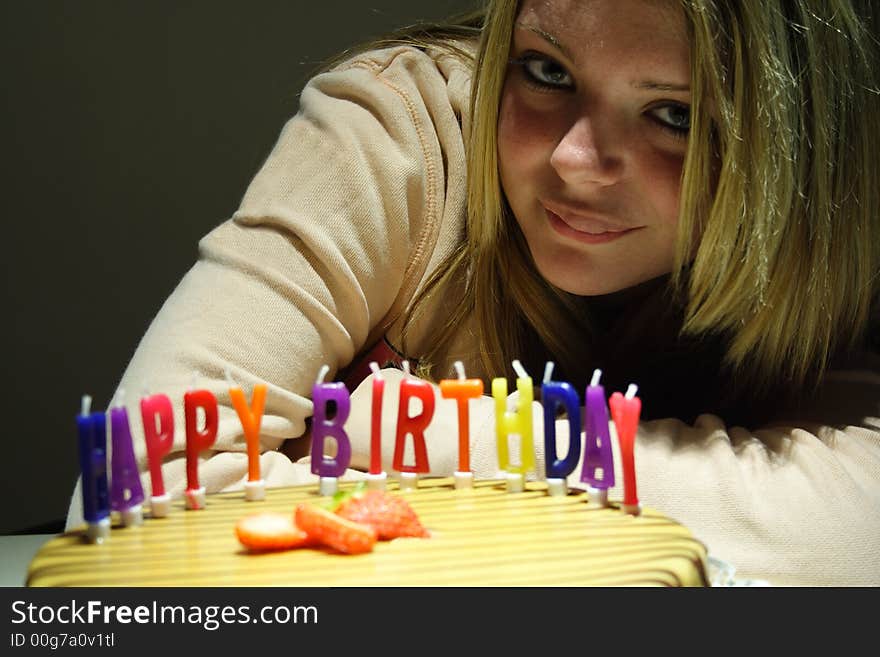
126,492
626,411
251,417
329,469
92,428
597,444
553,395
517,422
461,391
412,426
376,477
158,419
198,440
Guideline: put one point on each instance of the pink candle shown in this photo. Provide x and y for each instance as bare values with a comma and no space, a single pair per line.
376,422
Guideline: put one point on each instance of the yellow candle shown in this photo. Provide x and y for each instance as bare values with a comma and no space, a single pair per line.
514,422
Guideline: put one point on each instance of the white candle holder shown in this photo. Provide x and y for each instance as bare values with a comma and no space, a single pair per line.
328,485
195,499
377,481
632,509
557,487
515,482
409,481
598,496
254,491
96,532
132,516
464,480
160,505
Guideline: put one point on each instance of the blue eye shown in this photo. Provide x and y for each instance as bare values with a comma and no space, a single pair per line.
674,117
544,71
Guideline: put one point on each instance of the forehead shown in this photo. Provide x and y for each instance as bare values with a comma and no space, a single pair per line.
646,28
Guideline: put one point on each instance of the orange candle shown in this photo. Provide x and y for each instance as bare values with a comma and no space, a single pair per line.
625,412
251,417
461,391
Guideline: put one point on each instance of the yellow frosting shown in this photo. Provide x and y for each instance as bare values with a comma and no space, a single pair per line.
483,536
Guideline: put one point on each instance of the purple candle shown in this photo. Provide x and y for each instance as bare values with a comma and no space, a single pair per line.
328,467
92,429
553,395
126,492
597,443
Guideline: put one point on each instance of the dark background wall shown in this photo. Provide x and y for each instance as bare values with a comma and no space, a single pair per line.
130,129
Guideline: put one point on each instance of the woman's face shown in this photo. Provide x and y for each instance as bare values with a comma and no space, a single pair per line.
592,134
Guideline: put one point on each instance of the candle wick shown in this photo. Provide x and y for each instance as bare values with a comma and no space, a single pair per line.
321,374
459,368
597,374
406,371
520,370
631,391
118,398
228,374
374,366
548,371
86,404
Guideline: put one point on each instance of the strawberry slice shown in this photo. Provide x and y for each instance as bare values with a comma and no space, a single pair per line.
270,530
334,531
391,516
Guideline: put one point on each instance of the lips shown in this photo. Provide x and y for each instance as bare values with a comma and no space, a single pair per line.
586,228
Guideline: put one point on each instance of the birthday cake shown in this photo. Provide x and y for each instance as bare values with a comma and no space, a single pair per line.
479,536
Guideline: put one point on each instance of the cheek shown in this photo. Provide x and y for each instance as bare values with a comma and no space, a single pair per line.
525,136
662,185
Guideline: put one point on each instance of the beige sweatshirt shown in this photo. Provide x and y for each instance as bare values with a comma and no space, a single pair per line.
361,197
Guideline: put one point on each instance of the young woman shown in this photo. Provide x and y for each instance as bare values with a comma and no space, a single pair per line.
681,193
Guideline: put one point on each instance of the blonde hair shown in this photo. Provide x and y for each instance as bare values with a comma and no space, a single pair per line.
779,241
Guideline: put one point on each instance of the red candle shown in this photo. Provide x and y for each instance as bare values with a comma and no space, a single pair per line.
251,417
625,412
376,422
415,425
461,391
198,440
158,419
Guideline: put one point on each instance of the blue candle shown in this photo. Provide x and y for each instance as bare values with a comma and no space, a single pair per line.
555,394
597,442
93,466
126,492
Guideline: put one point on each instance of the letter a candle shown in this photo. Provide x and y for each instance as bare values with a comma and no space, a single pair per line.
517,422
553,395
328,468
625,411
412,426
126,492
597,444
461,391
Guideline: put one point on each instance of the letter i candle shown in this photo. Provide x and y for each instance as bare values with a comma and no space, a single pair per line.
376,477
92,429
414,426
328,468
251,417
597,444
626,411
514,422
126,492
553,395
462,390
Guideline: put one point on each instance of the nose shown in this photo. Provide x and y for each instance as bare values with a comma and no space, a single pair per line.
585,156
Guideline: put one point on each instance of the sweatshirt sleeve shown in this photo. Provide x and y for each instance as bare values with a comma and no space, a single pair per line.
321,248
796,503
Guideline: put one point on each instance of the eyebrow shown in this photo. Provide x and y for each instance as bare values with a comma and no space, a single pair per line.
549,38
651,85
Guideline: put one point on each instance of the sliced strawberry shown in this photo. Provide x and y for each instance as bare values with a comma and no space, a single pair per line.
270,530
391,516
334,531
